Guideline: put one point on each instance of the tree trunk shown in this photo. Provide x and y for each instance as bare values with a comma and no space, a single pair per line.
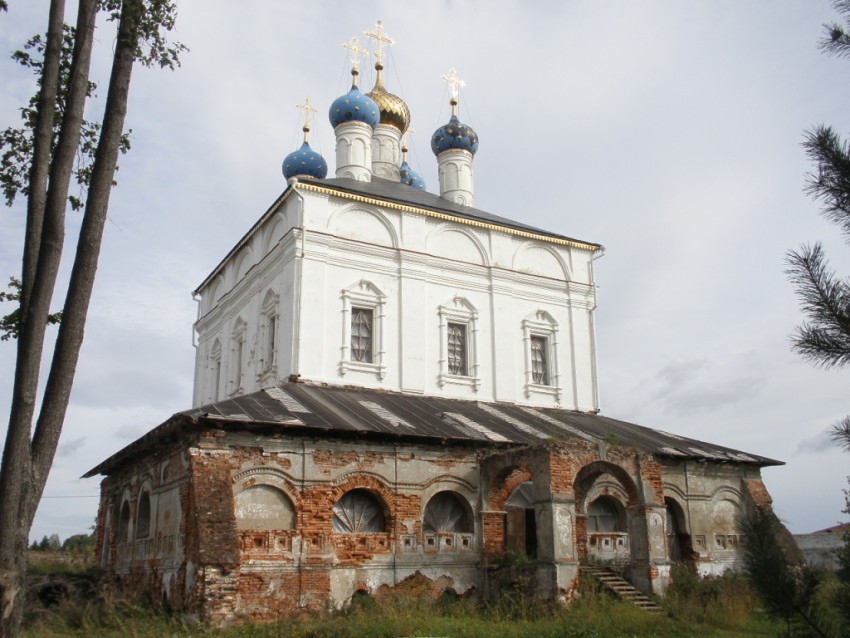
42,142
19,494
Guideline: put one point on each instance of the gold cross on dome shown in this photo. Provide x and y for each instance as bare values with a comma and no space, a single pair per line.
454,82
356,53
380,39
306,108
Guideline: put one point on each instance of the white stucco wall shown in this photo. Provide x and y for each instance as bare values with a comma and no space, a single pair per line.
322,255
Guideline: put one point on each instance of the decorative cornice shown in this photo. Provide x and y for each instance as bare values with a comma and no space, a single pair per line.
317,188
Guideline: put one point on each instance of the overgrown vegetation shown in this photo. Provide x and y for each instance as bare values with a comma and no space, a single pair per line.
720,606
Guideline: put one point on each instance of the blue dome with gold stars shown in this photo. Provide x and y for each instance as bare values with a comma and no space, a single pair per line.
411,177
354,106
454,135
305,162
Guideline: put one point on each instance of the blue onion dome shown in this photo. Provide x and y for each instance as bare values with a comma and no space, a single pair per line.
305,162
407,174
411,177
354,106
393,109
454,135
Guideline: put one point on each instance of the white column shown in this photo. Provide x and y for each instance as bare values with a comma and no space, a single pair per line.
386,152
354,151
455,172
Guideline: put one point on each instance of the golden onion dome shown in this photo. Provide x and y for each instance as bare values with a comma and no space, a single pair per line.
393,109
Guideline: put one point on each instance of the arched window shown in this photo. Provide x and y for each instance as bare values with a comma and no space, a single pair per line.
264,507
143,516
359,512
603,515
215,366
124,522
447,512
238,340
268,322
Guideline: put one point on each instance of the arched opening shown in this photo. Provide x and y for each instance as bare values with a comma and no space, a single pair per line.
607,531
521,521
263,507
678,540
359,511
143,516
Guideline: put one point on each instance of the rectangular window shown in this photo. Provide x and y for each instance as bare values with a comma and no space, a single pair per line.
539,362
361,335
457,349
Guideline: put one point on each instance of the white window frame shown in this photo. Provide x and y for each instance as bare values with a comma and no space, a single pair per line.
269,316
215,370
238,356
366,295
459,310
541,324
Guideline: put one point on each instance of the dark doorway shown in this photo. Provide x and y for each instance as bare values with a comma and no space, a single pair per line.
521,522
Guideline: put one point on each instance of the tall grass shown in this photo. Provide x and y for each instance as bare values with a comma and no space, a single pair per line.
725,613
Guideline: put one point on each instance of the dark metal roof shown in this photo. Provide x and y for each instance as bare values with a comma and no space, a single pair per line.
294,408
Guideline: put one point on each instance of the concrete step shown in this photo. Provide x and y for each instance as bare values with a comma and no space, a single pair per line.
621,587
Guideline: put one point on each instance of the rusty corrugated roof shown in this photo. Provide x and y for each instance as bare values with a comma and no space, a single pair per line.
352,411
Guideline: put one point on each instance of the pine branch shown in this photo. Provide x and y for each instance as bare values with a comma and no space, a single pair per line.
836,40
825,300
831,184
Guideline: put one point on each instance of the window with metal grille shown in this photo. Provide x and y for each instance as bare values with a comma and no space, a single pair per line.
361,335
457,348
539,361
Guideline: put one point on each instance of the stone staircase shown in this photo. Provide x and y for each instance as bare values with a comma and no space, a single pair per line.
612,581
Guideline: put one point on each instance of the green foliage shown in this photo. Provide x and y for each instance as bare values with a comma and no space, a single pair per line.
725,601
16,144
79,544
10,324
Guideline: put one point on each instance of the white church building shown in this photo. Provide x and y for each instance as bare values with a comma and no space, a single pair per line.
391,384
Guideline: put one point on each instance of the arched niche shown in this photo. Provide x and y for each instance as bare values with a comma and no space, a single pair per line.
363,224
535,259
243,264
123,528
458,244
359,511
447,512
277,229
264,507
143,515
606,515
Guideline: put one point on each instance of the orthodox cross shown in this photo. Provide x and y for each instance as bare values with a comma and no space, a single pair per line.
380,40
454,82
356,53
306,108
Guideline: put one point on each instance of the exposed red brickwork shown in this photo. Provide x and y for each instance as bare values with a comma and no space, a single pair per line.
509,480
653,475
581,537
758,492
227,573
211,502
493,531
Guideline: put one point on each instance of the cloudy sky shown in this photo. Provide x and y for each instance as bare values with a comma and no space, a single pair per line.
667,131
